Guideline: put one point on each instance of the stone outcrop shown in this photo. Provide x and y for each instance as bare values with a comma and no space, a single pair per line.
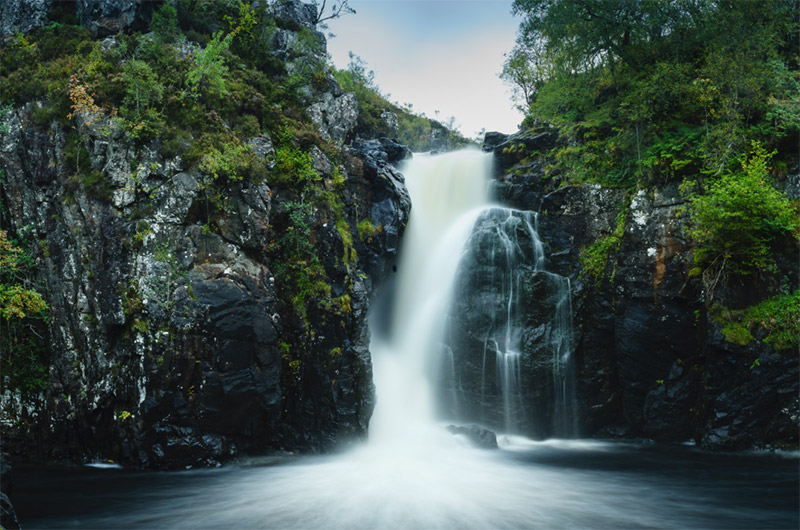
649,358
101,17
109,17
23,15
167,340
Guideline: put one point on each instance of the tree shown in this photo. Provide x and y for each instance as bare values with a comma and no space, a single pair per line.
336,10
22,310
526,69
737,219
585,33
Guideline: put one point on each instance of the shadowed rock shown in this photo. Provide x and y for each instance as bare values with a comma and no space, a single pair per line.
478,436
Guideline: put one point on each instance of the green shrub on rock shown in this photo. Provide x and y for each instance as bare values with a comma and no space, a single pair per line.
737,218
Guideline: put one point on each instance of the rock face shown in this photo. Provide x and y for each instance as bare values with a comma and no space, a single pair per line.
167,339
508,330
101,17
109,17
649,359
22,15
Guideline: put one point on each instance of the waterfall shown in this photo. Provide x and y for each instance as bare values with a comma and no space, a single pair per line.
479,330
447,193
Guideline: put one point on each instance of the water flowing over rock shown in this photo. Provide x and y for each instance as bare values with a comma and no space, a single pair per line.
649,359
509,332
471,283
478,436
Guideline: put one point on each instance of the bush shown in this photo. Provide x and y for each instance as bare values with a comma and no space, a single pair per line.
738,218
21,309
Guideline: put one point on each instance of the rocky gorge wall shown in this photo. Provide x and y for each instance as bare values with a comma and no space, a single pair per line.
651,358
168,343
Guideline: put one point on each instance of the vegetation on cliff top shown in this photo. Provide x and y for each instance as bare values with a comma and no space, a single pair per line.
649,92
704,93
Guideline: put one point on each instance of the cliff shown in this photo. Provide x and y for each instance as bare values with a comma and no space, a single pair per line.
656,352
207,246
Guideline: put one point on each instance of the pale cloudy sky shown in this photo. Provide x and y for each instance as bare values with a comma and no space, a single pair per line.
439,55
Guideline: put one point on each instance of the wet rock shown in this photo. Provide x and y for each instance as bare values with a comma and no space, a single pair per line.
649,359
8,516
478,436
491,140
108,17
505,328
395,152
22,15
384,188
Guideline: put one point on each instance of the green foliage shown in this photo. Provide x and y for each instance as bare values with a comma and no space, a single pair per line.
300,269
22,311
207,75
738,217
594,258
231,161
349,256
367,230
4,110
643,93
293,167
776,320
142,91
164,22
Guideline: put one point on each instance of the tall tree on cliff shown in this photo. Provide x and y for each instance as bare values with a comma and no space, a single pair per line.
654,90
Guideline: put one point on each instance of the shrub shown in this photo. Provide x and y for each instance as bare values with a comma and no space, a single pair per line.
231,161
22,309
737,219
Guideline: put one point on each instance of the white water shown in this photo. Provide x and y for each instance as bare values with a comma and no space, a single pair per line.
447,194
413,473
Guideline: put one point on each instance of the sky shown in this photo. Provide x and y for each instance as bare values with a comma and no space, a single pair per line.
438,55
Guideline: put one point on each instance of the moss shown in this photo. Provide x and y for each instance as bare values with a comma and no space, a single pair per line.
775,320
367,230
594,258
340,304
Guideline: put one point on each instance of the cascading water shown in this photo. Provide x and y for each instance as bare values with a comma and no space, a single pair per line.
504,306
475,271
447,196
477,313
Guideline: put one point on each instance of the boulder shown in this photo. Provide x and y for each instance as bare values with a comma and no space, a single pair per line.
478,436
335,117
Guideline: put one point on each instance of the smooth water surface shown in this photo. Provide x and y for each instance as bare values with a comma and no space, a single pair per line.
556,484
